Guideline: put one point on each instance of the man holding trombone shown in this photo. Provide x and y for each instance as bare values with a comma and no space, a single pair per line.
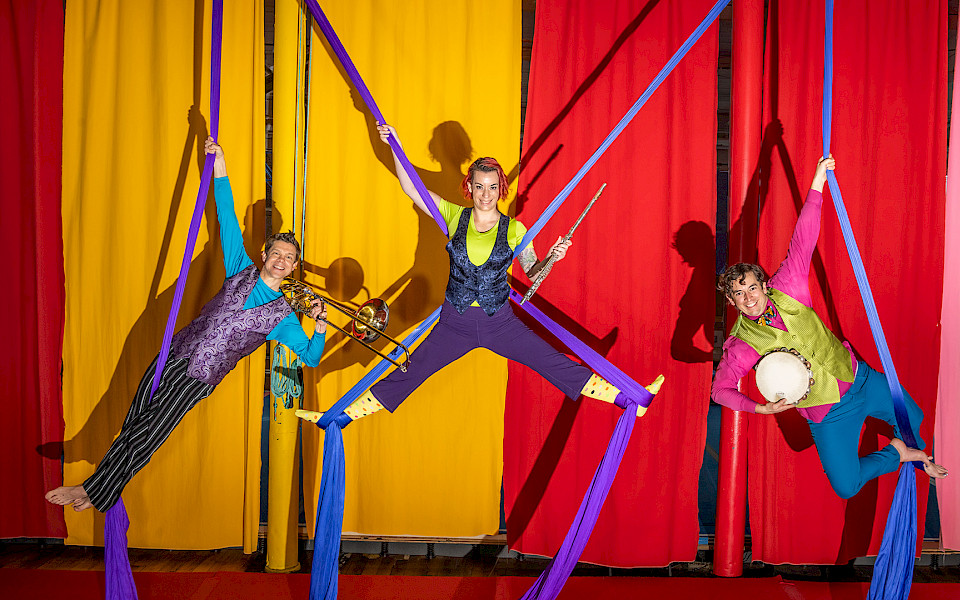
248,310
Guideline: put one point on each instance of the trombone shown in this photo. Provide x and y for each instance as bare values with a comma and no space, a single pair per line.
367,322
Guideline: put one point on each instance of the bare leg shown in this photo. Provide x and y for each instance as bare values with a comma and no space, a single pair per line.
912,454
70,494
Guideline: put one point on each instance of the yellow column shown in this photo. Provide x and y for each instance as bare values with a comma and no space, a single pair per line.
284,476
286,394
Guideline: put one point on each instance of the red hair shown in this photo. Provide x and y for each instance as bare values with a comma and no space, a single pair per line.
487,165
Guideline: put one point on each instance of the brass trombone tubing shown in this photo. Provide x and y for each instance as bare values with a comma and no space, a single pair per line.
402,366
353,315
356,317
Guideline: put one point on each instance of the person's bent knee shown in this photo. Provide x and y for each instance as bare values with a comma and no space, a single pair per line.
846,488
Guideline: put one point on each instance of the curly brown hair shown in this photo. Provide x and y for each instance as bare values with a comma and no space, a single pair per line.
286,236
736,274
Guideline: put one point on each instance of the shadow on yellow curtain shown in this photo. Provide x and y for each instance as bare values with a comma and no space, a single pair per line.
136,101
447,74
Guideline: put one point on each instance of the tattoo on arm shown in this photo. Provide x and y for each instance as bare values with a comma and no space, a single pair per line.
528,259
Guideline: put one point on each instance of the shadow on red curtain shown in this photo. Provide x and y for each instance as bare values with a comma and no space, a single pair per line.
31,111
637,284
889,138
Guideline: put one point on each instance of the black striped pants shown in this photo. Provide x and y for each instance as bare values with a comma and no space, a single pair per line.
147,426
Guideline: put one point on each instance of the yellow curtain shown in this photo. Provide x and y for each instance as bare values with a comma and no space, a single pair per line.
447,75
136,78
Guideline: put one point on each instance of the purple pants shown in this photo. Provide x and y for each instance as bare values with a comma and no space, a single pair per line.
503,333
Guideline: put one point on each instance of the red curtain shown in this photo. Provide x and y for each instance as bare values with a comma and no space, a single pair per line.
637,283
889,138
31,67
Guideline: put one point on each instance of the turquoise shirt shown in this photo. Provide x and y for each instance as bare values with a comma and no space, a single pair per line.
289,331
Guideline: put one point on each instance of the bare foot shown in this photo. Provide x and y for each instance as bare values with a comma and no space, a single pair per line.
309,415
912,454
67,494
82,504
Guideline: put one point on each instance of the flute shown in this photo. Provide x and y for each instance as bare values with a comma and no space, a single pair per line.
546,268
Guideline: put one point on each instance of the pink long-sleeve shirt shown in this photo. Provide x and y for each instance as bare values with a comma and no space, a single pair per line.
792,278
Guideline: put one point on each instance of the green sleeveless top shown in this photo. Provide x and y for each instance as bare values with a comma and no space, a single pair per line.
806,334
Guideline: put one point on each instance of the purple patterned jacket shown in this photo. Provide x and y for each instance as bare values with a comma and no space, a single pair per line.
225,332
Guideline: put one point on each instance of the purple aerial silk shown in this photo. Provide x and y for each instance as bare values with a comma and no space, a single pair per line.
324,572
893,570
627,386
364,92
119,577
215,51
551,581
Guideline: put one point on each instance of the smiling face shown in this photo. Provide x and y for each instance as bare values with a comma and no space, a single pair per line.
485,190
748,295
280,260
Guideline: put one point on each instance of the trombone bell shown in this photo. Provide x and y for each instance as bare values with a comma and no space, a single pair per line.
367,323
371,319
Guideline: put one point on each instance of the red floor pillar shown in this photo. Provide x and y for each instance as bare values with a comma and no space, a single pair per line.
745,138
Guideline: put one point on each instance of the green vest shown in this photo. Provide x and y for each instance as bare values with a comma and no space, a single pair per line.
806,334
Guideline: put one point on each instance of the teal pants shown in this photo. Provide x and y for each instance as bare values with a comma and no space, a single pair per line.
838,436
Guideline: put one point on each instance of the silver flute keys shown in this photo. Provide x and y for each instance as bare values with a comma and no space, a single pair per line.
552,259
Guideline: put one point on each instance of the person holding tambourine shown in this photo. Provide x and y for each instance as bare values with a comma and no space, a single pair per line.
777,319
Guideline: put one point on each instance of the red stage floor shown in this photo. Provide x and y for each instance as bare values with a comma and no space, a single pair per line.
89,585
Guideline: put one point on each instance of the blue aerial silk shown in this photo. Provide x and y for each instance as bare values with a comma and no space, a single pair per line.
331,501
893,570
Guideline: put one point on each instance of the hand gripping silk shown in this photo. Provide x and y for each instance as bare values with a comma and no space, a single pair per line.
119,577
893,571
330,504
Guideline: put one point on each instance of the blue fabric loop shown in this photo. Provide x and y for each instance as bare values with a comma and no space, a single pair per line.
331,501
859,271
893,570
618,129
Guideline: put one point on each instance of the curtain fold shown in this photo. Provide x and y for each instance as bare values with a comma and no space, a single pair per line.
637,283
135,98
889,139
947,426
447,76
31,68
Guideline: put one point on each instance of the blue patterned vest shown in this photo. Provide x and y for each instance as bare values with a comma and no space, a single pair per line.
225,332
486,283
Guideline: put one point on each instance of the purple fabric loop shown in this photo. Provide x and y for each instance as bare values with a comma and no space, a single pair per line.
551,581
330,504
119,577
324,24
207,175
628,387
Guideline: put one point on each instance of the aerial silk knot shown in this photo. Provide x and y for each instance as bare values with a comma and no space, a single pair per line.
330,506
341,420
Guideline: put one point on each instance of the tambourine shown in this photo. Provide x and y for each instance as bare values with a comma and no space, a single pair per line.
784,374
